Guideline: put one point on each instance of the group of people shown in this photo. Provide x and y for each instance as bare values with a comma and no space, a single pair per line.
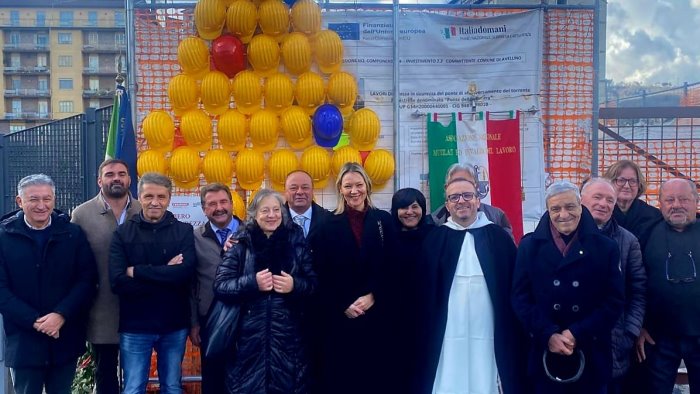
600,298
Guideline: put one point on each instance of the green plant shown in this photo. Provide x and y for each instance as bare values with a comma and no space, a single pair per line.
84,380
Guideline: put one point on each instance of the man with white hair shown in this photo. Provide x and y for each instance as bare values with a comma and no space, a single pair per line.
672,326
598,195
568,293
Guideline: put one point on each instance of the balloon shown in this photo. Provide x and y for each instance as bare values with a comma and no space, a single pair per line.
242,19
279,92
273,18
184,167
281,163
264,54
232,130
193,57
228,54
151,161
264,130
342,91
328,51
238,205
296,126
328,125
250,169
159,131
346,154
217,167
183,93
316,161
247,92
379,165
216,93
195,126
309,91
306,17
296,53
364,128
209,17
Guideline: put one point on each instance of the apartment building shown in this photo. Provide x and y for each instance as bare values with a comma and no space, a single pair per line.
59,57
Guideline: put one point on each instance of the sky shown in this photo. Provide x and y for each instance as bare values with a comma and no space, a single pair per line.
653,41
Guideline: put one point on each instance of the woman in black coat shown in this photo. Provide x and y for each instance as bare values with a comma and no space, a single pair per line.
355,248
268,273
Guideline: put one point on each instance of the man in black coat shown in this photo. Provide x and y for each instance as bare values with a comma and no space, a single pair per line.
568,293
47,283
468,253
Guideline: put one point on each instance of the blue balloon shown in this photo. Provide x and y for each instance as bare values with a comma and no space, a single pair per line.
327,125
290,2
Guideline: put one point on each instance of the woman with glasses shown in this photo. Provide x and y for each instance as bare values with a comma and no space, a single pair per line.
355,249
630,212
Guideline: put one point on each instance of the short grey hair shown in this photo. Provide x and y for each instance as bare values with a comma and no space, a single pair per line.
559,187
593,180
693,187
35,180
257,199
154,178
457,167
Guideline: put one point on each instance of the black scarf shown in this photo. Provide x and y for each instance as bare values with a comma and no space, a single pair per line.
273,252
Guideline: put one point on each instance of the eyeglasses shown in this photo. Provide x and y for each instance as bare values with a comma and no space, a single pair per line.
620,181
466,196
681,280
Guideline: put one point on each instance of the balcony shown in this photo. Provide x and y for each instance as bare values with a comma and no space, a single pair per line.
27,115
27,92
98,93
25,47
30,70
100,71
104,48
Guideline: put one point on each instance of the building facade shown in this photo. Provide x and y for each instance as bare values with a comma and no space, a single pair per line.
59,57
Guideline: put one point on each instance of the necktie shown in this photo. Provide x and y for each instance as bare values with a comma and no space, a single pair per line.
301,221
222,234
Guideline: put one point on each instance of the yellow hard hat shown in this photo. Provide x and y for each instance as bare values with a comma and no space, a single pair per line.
209,17
342,91
183,93
242,19
296,53
195,126
216,92
151,161
217,166
264,54
250,169
309,91
364,129
317,162
238,205
193,57
306,17
273,18
184,167
379,165
264,130
247,91
281,163
328,51
232,130
296,126
159,131
346,154
279,92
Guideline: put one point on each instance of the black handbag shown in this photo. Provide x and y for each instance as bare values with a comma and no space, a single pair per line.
221,327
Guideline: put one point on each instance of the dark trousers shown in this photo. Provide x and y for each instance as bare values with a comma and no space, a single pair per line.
581,387
664,358
213,370
107,368
55,379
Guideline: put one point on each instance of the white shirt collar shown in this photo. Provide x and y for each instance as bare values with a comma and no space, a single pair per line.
306,214
36,228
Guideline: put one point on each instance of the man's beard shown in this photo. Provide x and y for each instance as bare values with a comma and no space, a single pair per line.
115,190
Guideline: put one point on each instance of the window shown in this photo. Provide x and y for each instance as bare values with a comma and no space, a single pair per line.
120,38
43,84
65,38
94,84
40,18
92,18
66,19
42,40
93,62
43,108
65,106
65,61
16,106
15,60
65,83
16,83
41,60
119,20
94,103
16,127
14,18
92,38
14,38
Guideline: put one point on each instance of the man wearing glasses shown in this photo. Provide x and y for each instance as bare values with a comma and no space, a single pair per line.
474,342
672,326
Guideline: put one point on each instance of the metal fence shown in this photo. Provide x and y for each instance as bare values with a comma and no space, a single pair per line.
67,150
